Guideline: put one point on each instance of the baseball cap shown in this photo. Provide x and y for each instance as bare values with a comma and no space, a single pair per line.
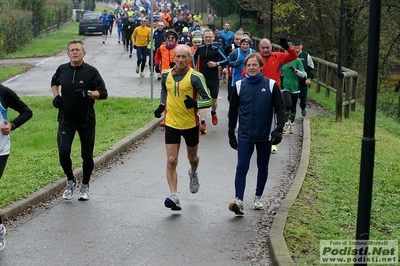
296,42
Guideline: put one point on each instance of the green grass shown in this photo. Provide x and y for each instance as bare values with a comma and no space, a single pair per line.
33,161
10,71
326,207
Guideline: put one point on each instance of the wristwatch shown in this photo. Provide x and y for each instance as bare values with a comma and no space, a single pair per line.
89,93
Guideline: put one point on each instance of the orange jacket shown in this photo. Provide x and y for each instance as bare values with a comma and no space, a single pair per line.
164,56
166,18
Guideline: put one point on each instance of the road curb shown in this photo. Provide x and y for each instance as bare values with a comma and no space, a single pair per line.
44,192
278,249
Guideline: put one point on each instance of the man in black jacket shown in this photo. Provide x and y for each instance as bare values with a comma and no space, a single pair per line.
207,58
129,27
309,68
81,84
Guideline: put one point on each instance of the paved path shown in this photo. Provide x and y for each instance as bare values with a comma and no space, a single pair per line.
125,221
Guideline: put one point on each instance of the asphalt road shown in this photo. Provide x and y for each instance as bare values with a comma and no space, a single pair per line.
125,221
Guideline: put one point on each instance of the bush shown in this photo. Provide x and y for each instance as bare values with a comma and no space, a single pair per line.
15,30
22,20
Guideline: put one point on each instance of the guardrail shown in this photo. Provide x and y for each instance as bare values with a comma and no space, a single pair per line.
326,75
344,85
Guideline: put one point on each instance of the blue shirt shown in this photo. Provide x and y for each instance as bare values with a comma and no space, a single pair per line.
105,19
228,36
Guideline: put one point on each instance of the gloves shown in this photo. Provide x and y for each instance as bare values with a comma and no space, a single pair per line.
157,68
232,139
283,43
134,46
83,93
172,64
276,136
57,101
190,102
293,69
238,63
158,112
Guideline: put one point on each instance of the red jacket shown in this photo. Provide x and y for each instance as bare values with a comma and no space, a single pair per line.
273,66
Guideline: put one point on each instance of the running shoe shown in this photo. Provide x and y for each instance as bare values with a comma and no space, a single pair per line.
214,118
130,56
285,128
303,112
104,42
291,129
137,70
69,190
141,74
2,237
84,192
274,149
257,203
173,203
236,206
203,128
194,182
158,76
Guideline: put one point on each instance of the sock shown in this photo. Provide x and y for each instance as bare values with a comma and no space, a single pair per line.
213,112
203,122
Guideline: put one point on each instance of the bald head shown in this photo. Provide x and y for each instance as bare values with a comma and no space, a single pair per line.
265,47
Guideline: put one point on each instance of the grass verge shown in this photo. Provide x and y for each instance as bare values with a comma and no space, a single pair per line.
33,161
10,71
326,207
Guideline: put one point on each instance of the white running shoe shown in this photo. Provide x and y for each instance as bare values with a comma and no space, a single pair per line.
236,206
257,203
69,190
2,239
194,182
84,192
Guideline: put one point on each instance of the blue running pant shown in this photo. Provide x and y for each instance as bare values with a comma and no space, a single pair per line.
245,151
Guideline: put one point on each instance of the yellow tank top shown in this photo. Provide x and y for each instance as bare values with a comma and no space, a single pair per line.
177,115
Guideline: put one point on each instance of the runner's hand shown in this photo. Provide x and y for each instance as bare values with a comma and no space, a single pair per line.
57,101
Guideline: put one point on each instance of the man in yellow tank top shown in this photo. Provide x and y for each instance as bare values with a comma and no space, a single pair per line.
180,87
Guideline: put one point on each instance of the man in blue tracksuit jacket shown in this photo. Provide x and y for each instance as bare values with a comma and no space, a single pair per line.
254,103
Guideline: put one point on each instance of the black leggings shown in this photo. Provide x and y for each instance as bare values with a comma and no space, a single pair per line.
65,137
128,42
290,100
3,162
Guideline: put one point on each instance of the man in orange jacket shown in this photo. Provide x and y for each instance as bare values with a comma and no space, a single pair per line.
164,58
